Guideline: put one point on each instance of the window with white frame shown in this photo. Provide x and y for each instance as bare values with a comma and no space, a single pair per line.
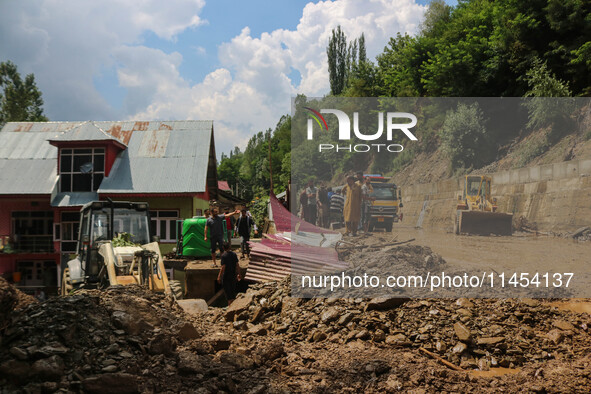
163,224
70,223
81,169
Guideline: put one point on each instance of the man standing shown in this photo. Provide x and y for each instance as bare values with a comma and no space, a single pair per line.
303,205
366,191
352,210
216,224
311,191
323,206
229,275
337,203
244,225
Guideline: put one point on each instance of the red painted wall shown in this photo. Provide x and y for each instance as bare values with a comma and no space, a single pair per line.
23,203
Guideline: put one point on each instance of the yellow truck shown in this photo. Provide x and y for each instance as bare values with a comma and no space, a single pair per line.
476,211
385,204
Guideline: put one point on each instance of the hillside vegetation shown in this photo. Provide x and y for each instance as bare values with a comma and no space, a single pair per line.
480,48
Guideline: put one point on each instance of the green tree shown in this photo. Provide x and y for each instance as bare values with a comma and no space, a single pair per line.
464,137
20,100
338,59
545,109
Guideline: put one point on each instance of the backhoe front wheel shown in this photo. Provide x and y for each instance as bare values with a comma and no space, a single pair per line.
176,288
66,283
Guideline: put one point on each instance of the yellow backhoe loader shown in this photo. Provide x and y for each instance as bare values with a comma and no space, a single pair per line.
114,248
476,212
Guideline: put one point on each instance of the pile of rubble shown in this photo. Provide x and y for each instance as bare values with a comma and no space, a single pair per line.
472,334
11,298
376,342
124,339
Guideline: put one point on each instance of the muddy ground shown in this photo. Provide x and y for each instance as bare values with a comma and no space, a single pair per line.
130,340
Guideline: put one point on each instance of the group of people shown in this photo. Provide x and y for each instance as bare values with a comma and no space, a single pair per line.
315,204
229,273
321,206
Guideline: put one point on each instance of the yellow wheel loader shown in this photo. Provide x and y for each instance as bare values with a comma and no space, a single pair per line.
476,212
114,248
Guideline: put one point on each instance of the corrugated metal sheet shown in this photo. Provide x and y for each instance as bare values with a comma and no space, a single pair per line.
161,157
87,131
26,146
27,176
161,162
73,199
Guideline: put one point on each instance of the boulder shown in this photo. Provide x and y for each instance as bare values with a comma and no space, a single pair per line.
116,383
239,305
193,306
51,368
462,332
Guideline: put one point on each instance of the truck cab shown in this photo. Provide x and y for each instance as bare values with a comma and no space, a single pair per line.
100,223
385,204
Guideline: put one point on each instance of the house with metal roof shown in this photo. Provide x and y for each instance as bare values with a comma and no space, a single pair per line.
48,170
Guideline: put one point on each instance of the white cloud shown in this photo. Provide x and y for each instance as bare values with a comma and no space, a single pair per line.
70,43
252,90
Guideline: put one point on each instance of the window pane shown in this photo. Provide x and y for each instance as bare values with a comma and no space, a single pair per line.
172,229
99,150
153,227
66,182
163,232
82,183
79,161
98,178
99,163
67,231
76,230
70,216
65,163
69,247
66,151
79,151
167,214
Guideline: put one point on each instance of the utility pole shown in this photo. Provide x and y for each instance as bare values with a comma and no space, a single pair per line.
270,166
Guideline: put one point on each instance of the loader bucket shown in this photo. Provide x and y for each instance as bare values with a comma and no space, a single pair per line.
485,223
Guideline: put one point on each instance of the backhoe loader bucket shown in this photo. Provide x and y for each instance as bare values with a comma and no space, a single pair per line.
484,223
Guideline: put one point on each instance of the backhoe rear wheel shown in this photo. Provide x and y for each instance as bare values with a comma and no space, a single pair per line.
177,289
66,283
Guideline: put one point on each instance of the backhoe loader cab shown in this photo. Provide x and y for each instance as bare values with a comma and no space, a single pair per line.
476,194
99,263
476,211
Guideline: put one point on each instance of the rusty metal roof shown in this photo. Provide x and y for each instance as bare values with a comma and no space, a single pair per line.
161,157
87,131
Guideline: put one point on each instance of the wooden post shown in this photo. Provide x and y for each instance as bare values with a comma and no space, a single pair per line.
270,166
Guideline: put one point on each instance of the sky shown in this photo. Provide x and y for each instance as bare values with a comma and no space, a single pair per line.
235,62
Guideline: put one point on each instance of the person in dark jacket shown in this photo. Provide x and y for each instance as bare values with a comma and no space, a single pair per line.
215,225
229,274
244,225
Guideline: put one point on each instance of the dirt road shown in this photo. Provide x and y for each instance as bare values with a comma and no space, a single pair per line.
518,253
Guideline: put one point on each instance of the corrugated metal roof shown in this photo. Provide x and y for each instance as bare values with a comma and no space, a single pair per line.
87,131
27,176
161,157
73,199
161,161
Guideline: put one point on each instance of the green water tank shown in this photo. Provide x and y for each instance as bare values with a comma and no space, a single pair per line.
193,243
